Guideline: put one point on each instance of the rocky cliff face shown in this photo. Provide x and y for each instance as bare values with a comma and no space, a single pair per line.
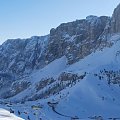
75,40
22,56
115,22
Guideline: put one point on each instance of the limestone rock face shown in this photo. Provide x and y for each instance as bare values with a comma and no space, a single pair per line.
22,56
76,39
115,23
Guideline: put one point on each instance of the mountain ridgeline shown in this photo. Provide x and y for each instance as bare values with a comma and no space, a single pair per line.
19,58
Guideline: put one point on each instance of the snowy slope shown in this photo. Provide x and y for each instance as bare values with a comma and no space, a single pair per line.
6,115
51,70
90,97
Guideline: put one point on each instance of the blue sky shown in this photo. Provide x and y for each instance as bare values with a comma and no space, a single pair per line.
26,18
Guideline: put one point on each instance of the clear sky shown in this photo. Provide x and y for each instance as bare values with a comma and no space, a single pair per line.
26,18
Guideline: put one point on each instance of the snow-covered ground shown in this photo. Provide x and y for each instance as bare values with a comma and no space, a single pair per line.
6,115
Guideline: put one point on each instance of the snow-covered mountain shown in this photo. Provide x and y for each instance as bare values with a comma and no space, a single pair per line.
72,73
